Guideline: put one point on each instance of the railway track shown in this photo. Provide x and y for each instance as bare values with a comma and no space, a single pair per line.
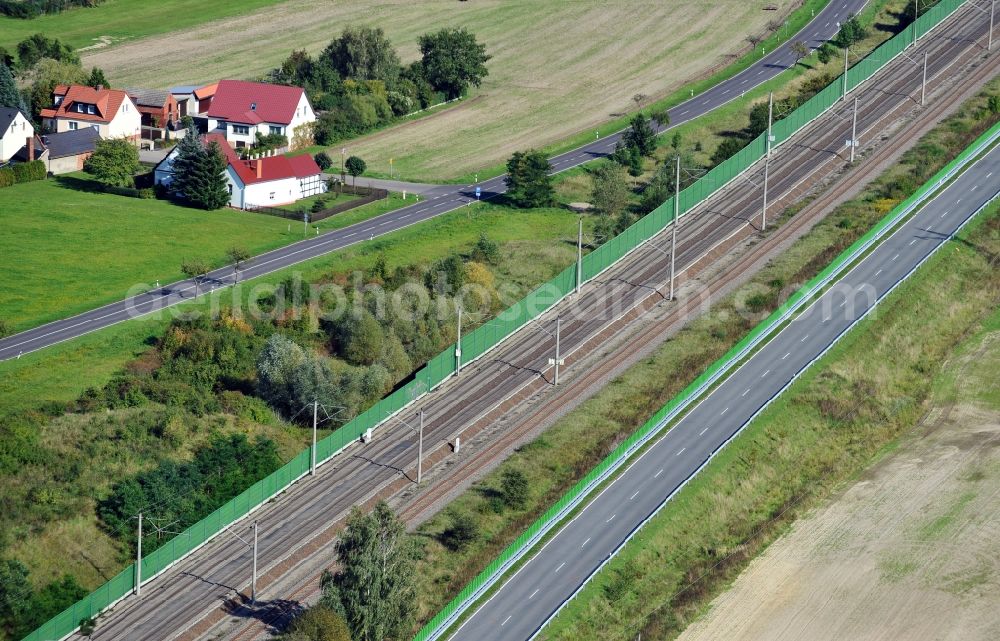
294,526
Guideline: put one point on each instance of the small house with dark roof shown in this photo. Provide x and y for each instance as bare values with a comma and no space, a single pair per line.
110,111
16,131
257,182
240,110
158,110
68,151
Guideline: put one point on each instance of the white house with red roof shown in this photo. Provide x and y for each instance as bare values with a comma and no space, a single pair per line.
240,110
110,111
260,182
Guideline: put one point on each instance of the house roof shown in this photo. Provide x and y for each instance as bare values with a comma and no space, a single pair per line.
7,116
148,97
21,154
106,102
254,102
71,143
206,92
183,90
271,168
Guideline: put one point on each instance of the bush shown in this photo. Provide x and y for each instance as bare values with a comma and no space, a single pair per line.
462,531
7,178
323,160
146,193
514,488
486,250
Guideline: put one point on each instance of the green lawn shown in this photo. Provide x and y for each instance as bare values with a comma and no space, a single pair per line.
331,199
66,249
123,20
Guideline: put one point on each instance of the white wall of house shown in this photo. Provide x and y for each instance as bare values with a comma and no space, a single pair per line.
272,193
303,114
15,137
126,123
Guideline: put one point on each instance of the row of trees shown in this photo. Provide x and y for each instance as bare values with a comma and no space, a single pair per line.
358,82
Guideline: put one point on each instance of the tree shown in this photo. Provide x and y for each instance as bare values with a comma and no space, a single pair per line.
355,166
675,140
850,32
362,53
10,96
199,173
114,162
661,116
800,49
34,48
528,181
824,53
514,488
44,77
323,160
15,594
640,135
195,268
276,367
728,148
453,60
375,584
611,193
237,254
361,338
628,157
97,79
319,623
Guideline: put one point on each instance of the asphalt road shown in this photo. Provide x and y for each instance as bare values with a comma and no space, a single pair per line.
217,572
521,606
820,29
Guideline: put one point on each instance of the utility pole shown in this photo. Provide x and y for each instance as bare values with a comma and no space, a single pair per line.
854,129
770,115
253,577
923,83
420,448
312,466
763,212
673,231
989,43
138,558
458,345
844,93
579,257
556,361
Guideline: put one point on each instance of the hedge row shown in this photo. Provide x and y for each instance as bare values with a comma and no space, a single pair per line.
25,172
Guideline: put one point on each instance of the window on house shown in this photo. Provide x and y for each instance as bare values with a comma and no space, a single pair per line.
272,195
230,185
73,126
275,130
91,110
241,130
253,106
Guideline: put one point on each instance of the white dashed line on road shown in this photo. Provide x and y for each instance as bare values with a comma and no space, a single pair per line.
766,372
533,594
803,339
724,411
585,542
506,620
878,272
702,433
560,566
747,391
657,475
783,358
611,519
681,451
895,257
634,495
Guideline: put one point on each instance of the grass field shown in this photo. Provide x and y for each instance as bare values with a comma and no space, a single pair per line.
558,67
115,21
66,249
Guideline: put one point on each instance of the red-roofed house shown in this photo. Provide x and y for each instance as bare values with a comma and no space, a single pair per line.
274,180
240,110
110,111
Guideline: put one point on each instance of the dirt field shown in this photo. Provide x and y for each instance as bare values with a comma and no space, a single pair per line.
558,67
910,551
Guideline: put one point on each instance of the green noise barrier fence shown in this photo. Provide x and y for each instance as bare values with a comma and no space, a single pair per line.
478,342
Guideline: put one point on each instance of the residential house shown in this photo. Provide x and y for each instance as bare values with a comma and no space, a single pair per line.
269,181
67,151
193,99
240,110
110,111
16,131
158,111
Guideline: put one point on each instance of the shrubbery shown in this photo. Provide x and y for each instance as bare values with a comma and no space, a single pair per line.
23,172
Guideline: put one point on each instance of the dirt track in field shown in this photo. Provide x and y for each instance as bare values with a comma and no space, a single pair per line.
558,66
910,551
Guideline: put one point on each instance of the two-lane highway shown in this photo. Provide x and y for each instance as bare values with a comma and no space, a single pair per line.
526,602
449,198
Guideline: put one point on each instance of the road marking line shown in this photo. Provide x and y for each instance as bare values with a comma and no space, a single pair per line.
560,566
765,373
895,257
913,241
506,620
878,272
657,475
586,542
702,433
958,201
611,519
842,303
747,390
989,174
681,452
634,495
724,411
533,594
782,358
974,188
803,339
